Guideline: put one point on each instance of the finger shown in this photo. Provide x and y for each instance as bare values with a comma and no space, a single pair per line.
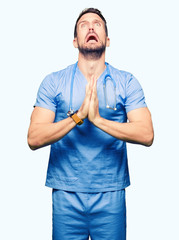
93,80
88,92
95,84
94,96
87,87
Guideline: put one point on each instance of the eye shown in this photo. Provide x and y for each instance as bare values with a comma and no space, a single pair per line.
98,24
83,25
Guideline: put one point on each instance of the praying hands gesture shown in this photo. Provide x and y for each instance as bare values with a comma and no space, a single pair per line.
90,106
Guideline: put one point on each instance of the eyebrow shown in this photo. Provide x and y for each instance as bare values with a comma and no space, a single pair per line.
82,21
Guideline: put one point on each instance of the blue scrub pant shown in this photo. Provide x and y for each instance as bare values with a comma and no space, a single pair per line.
76,216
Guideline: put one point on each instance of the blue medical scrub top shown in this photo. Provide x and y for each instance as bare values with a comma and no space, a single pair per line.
88,159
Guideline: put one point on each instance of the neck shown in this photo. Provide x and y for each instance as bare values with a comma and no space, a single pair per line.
91,67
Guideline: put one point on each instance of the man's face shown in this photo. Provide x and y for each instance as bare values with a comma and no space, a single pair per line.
91,33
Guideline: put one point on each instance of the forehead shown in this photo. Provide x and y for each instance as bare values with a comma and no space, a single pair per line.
90,17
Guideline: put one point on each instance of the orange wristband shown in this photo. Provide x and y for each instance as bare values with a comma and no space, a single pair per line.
76,119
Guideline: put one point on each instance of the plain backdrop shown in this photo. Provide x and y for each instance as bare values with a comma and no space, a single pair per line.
36,39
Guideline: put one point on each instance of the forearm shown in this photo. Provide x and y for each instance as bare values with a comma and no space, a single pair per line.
133,132
43,134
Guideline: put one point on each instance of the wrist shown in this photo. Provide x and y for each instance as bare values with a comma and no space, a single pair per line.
97,121
80,115
75,117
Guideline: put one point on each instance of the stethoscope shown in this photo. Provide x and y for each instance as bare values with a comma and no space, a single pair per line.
107,77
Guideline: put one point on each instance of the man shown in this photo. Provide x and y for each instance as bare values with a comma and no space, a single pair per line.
87,112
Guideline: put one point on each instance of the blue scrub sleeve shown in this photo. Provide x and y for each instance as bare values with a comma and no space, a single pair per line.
134,95
46,94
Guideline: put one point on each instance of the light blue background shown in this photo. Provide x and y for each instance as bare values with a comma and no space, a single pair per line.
36,39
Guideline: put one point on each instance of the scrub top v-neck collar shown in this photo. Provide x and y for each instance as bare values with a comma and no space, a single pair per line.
78,71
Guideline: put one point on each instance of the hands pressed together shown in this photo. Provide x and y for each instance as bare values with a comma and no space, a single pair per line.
90,106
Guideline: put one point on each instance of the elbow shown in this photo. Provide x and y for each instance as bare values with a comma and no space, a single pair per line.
33,148
149,143
149,138
32,144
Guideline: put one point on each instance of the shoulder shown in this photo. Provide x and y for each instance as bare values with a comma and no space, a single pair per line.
58,75
124,79
121,75
55,79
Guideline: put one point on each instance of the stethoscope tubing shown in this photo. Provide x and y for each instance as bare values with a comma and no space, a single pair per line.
107,76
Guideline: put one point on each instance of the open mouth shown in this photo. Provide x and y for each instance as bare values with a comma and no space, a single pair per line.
92,37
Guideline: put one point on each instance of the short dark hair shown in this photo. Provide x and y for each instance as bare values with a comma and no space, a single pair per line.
90,10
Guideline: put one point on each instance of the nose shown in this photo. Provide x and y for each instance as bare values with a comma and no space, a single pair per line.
91,27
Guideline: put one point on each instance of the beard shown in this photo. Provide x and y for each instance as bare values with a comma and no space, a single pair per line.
92,53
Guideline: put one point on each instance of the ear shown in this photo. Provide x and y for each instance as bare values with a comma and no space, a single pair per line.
107,41
75,43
